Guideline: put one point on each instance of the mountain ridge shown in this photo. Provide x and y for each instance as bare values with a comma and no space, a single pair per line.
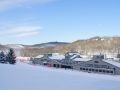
88,46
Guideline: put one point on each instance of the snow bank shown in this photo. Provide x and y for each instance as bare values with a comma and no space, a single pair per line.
27,77
23,58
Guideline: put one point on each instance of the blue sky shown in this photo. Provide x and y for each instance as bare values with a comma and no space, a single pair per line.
38,21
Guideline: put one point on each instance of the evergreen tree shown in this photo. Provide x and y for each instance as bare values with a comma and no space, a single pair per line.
2,57
11,56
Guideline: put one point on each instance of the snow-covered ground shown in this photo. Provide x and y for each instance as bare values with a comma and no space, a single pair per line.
27,77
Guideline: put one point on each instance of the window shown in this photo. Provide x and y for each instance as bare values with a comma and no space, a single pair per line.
96,62
81,69
92,69
111,71
100,70
89,69
108,71
103,70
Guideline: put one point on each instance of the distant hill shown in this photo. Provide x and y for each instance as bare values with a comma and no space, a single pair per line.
35,50
2,47
15,46
94,45
87,46
49,44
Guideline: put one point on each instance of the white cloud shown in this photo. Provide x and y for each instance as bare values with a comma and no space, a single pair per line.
27,34
21,31
6,4
25,29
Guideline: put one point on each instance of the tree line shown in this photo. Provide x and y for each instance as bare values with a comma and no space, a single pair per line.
8,58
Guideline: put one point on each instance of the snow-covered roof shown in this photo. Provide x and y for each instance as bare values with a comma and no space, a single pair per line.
39,56
72,53
113,62
108,61
84,56
57,56
23,58
75,56
53,56
81,59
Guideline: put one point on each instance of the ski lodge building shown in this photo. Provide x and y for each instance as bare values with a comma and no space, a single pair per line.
98,65
73,60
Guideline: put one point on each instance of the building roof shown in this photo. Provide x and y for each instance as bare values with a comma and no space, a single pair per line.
81,59
113,62
57,56
53,56
39,56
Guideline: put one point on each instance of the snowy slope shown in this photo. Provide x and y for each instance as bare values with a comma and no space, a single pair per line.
15,46
27,77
